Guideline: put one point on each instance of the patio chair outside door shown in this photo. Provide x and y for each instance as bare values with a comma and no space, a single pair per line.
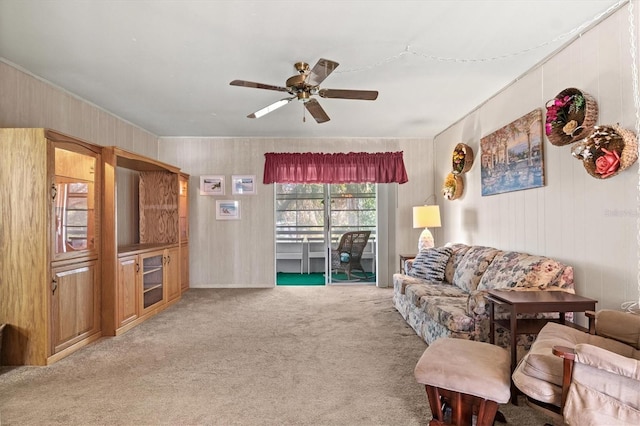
347,257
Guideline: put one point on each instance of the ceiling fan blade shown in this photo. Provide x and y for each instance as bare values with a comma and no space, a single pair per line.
316,111
274,106
321,70
365,95
243,83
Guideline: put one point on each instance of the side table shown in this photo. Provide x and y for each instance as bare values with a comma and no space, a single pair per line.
531,302
403,259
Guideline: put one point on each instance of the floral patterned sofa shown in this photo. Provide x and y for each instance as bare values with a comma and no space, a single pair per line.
442,292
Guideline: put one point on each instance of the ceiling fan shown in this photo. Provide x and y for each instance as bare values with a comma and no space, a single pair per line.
306,84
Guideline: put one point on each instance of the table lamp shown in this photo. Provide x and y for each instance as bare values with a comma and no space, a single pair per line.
426,217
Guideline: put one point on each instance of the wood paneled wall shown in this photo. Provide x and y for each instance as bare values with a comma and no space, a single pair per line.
29,102
241,253
585,222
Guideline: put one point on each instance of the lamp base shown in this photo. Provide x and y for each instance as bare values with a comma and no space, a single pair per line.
426,240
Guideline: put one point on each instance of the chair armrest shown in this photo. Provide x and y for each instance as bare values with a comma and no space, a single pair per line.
592,321
564,352
477,304
568,356
408,266
608,361
595,357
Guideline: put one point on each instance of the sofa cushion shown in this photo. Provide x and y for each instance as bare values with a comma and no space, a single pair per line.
510,269
451,312
472,267
402,281
416,292
458,253
429,264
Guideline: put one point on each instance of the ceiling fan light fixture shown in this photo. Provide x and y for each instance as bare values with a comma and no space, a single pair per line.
304,85
270,108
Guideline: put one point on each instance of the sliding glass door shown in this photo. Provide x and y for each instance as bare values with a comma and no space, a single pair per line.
311,220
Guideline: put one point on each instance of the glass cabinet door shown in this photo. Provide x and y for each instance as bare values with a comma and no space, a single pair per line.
75,198
152,279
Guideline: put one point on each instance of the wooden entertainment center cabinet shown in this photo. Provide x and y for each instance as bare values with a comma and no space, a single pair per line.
94,240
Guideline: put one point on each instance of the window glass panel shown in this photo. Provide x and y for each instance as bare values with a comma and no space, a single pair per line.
77,218
74,201
77,203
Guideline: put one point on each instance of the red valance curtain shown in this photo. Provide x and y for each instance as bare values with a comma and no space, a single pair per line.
352,167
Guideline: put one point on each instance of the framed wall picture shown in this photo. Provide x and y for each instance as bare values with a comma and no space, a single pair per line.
511,158
227,210
243,184
212,185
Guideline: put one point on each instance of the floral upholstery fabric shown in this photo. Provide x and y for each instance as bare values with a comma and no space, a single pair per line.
431,330
472,267
402,281
416,292
510,269
451,312
458,252
565,282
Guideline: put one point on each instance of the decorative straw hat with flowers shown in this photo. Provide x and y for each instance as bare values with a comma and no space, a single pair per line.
570,116
607,151
452,187
461,159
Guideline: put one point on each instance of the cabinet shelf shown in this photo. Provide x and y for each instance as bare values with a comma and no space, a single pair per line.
149,271
148,288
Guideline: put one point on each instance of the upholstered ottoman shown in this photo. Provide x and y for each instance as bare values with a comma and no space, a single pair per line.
470,377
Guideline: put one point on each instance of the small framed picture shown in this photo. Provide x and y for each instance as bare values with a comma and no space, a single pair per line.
227,210
212,185
243,184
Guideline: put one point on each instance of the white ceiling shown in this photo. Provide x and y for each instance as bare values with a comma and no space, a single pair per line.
166,65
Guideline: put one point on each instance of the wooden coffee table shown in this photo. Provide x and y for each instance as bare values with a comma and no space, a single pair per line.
532,302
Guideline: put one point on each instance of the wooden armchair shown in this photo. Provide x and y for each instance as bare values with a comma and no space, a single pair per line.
599,386
348,255
595,380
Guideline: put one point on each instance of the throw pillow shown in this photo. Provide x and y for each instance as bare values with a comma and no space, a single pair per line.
430,264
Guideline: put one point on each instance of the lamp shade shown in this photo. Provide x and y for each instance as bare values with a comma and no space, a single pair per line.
426,217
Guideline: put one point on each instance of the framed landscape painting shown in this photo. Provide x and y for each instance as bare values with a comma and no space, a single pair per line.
227,210
243,184
511,158
212,185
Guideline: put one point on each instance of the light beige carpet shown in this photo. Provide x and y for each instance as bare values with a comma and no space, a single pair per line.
338,355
